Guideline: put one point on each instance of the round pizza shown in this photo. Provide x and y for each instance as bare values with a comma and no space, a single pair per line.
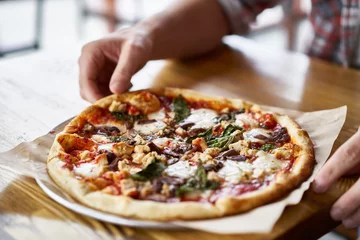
166,154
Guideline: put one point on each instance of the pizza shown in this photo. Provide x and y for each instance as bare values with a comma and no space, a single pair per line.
167,154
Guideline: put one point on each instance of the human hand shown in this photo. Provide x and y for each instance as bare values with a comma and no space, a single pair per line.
107,65
345,161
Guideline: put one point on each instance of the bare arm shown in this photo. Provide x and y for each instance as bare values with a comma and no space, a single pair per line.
187,28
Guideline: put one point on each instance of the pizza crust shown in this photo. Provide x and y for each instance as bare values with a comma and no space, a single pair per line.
284,182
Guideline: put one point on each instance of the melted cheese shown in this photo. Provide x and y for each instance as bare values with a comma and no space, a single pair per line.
203,118
100,138
159,115
243,119
91,169
251,135
233,171
106,147
149,127
181,169
266,162
162,142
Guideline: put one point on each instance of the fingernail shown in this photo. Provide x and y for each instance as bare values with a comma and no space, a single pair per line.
336,214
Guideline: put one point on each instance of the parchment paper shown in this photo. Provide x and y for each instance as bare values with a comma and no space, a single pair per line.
29,158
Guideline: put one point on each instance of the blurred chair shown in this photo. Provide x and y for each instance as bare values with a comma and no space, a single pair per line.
38,31
110,14
293,12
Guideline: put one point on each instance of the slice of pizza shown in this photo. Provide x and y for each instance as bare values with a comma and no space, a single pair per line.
178,154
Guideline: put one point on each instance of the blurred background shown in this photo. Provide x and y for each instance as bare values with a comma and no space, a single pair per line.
28,26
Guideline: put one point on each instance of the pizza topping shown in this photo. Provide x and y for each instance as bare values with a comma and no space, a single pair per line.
180,108
145,101
159,115
181,169
267,163
172,161
202,118
198,182
128,187
88,128
117,107
122,148
200,144
178,150
91,169
228,116
245,121
152,171
185,125
257,135
235,172
267,121
119,139
238,158
149,128
267,147
230,152
280,136
213,167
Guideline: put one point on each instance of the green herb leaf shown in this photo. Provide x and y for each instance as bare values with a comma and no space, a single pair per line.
121,116
198,182
229,130
212,185
221,142
267,147
180,108
153,170
207,135
228,116
117,138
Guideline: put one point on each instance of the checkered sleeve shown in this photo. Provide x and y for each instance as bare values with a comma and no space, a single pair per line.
336,30
241,13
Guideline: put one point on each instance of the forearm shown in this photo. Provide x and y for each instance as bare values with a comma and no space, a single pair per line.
189,27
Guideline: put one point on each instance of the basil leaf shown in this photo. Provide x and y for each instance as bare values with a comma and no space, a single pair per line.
152,171
267,147
229,130
207,135
212,185
200,174
121,116
222,142
180,108
228,116
198,182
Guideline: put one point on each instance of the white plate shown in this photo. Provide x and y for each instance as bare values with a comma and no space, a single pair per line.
64,199
59,196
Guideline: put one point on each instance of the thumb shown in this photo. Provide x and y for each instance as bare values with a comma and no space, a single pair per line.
132,58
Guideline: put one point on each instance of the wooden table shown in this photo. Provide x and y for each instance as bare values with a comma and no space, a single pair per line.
39,91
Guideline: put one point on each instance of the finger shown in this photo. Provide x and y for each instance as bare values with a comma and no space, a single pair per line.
347,204
353,221
343,160
133,56
90,64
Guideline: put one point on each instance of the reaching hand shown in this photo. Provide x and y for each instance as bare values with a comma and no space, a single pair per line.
345,161
107,65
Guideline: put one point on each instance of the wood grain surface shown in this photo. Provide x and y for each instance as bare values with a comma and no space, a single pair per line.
40,90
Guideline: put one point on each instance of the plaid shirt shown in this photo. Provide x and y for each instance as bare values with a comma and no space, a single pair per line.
336,25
